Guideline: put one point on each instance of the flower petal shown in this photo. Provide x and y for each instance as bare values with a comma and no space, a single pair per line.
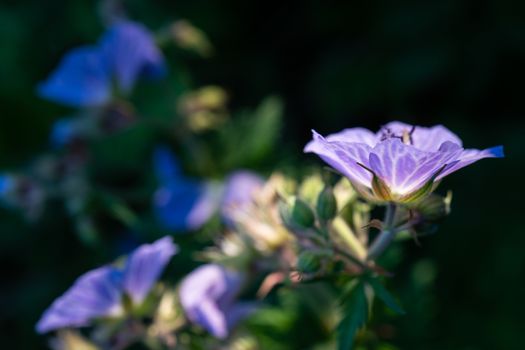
344,157
404,168
469,156
239,190
81,80
207,296
423,138
165,165
131,52
144,267
95,294
358,135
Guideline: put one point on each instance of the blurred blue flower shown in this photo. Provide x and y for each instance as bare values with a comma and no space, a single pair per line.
98,293
85,76
208,297
239,190
181,203
63,132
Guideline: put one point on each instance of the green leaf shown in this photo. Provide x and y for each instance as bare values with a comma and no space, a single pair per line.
355,311
385,296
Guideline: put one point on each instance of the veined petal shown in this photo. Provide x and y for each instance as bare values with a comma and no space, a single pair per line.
469,156
144,267
422,138
82,79
357,135
344,157
131,52
404,168
97,293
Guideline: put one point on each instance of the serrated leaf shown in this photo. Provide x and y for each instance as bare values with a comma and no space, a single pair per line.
355,311
385,296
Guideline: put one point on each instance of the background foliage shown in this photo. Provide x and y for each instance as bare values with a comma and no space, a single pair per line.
335,64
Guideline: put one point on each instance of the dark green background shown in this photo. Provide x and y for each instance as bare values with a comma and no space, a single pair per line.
336,64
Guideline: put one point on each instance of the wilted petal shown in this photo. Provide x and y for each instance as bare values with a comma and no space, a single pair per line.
422,138
239,189
208,296
404,168
470,156
82,79
94,294
131,52
343,156
144,267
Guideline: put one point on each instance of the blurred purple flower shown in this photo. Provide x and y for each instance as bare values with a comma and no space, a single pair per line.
399,163
84,76
181,203
98,293
208,297
239,190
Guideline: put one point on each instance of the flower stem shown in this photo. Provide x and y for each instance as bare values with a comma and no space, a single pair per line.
387,234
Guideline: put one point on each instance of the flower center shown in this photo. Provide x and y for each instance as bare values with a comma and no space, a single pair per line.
405,136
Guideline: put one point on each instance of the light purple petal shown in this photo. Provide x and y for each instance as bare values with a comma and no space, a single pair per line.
82,79
404,168
144,267
97,293
423,138
357,135
131,53
208,296
470,156
343,156
239,190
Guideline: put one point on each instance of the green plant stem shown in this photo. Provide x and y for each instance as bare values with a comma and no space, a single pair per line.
387,234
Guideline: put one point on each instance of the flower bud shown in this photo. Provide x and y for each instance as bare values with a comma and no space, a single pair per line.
302,214
308,262
326,204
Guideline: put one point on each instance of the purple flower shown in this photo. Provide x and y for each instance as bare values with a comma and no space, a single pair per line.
239,190
98,293
208,297
181,203
401,162
84,77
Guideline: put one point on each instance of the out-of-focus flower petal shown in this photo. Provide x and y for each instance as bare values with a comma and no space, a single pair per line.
186,204
404,168
470,156
131,52
239,190
208,296
165,165
62,132
343,156
144,267
94,294
82,79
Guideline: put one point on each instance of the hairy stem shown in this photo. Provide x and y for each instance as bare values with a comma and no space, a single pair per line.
386,236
